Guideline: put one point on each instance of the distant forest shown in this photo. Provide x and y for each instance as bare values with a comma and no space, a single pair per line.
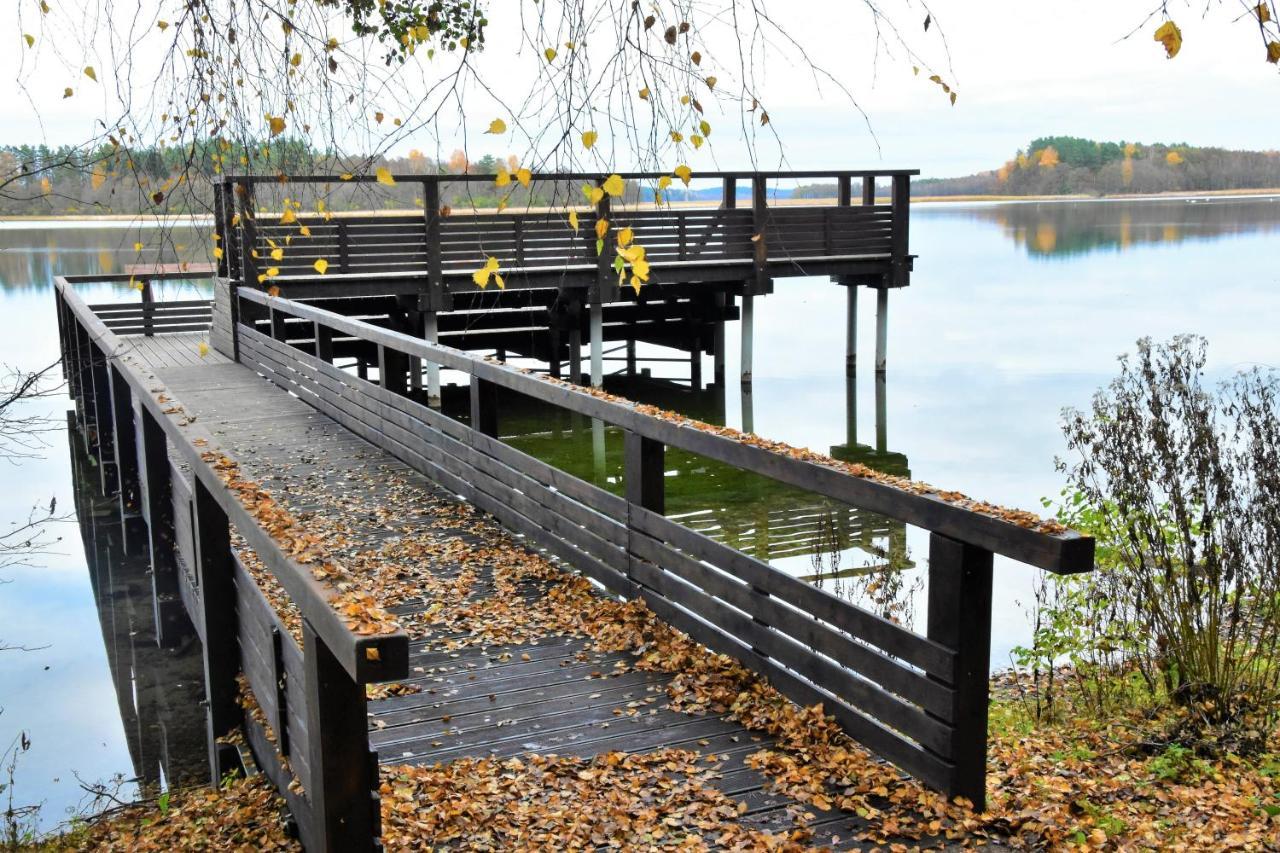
1069,165
43,180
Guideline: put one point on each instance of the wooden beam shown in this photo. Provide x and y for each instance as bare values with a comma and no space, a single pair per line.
960,620
215,570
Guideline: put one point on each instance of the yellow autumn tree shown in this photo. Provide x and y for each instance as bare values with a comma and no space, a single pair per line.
1173,158
1049,157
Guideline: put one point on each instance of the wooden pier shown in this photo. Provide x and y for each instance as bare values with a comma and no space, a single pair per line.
300,409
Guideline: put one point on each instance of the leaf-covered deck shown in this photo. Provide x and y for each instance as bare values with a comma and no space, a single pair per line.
502,664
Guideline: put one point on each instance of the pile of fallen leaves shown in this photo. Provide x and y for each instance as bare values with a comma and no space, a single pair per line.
661,800
243,815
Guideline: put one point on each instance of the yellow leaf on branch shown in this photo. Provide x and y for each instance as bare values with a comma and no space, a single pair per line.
502,178
625,236
30,39
202,348
589,138
277,254
497,126
1170,36
277,125
602,228
573,219
90,73
481,276
384,176
684,173
321,266
550,54
614,185
524,176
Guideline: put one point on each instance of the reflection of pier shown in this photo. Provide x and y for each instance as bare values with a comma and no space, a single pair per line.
159,691
754,514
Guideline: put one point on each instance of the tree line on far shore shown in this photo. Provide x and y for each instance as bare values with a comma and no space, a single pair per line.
1069,165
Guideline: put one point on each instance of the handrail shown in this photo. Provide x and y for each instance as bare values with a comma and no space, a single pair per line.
366,659
1062,553
571,176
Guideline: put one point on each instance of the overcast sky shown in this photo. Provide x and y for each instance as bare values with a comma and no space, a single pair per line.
1022,69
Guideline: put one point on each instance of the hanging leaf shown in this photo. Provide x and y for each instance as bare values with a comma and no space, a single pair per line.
625,236
277,125
503,178
614,185
602,228
644,93
573,219
202,348
321,266
163,25
550,54
30,39
589,138
1170,36
482,275
384,176
497,126
90,73
288,217
277,254
684,173
524,176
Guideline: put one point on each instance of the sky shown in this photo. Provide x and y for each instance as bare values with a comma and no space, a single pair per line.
1021,70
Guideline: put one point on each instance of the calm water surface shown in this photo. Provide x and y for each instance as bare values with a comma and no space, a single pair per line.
1015,311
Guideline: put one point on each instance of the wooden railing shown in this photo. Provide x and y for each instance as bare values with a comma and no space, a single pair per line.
434,254
311,693
918,700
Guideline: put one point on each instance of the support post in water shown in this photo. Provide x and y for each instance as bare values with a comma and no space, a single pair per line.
215,571
748,332
597,345
960,620
431,334
882,327
851,330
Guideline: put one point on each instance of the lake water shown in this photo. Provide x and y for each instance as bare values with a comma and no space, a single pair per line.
1015,311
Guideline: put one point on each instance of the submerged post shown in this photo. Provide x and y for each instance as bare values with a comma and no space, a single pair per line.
748,323
882,327
431,333
851,330
597,345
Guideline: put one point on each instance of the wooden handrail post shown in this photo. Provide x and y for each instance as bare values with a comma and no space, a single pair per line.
248,235
484,406
343,778
760,223
278,331
960,619
869,190
899,232
643,472
844,192
148,308
215,574
729,194
324,342
393,369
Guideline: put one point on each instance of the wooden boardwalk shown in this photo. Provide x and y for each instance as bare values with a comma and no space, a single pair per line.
288,500
557,696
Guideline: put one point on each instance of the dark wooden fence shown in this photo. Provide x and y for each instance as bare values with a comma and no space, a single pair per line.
311,693
434,254
918,700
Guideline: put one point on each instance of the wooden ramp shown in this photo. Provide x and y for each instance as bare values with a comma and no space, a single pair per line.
555,696
289,501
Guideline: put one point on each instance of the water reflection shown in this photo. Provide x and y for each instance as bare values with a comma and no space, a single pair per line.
159,691
33,252
852,552
1063,229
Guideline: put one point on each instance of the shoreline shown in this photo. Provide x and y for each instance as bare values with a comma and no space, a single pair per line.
200,219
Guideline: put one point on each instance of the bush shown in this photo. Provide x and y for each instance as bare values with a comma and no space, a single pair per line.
1181,485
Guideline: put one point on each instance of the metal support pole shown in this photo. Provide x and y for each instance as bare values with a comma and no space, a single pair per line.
597,345
748,323
882,327
882,443
431,333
